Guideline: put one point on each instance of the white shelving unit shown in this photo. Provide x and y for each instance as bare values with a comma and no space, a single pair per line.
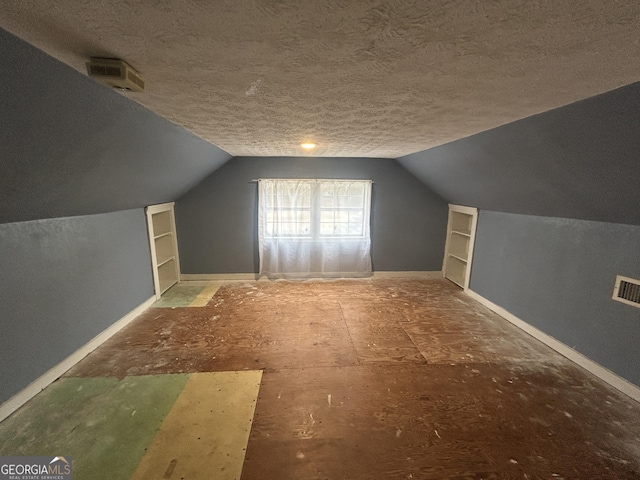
461,233
164,246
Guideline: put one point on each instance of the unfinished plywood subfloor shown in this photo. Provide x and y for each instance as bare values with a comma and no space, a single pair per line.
388,379
444,422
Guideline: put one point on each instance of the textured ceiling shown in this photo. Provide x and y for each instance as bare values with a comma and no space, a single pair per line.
374,78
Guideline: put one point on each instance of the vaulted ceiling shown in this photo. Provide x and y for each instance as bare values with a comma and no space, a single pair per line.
374,78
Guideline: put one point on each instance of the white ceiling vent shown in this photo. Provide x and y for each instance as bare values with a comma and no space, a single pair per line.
627,290
115,73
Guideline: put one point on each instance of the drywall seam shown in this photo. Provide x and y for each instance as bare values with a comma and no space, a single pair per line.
596,369
35,387
238,277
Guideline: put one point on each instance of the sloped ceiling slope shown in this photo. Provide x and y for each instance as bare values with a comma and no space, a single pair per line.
580,161
69,146
374,78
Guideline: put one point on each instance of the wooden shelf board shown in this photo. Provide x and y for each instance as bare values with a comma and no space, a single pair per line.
458,258
165,261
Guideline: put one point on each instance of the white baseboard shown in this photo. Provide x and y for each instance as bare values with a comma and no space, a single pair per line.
417,274
35,387
598,370
238,277
219,277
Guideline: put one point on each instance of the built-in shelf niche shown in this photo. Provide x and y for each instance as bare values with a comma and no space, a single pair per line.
461,231
164,246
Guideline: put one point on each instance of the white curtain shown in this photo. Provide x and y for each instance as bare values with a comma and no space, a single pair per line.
314,228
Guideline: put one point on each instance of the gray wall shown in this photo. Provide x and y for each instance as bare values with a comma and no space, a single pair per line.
558,275
69,146
217,220
567,184
579,161
64,281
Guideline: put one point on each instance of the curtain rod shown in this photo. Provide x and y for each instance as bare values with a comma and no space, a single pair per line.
317,179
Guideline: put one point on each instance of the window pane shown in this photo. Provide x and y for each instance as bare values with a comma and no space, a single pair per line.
284,201
327,201
327,188
355,216
327,216
326,229
342,216
287,229
355,201
341,229
293,216
356,189
355,229
292,194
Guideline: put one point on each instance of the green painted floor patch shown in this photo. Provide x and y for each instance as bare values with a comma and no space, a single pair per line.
180,295
103,423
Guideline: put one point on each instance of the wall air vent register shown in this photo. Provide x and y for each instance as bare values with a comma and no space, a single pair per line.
627,290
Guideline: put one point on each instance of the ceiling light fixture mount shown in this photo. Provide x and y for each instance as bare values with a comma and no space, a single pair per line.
308,145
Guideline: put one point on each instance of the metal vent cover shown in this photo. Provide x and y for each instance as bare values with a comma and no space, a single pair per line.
105,70
627,290
135,78
115,73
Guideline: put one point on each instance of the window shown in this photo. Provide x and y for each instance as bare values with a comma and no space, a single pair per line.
288,208
314,227
316,209
342,209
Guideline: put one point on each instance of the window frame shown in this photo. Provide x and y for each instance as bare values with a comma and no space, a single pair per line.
315,209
